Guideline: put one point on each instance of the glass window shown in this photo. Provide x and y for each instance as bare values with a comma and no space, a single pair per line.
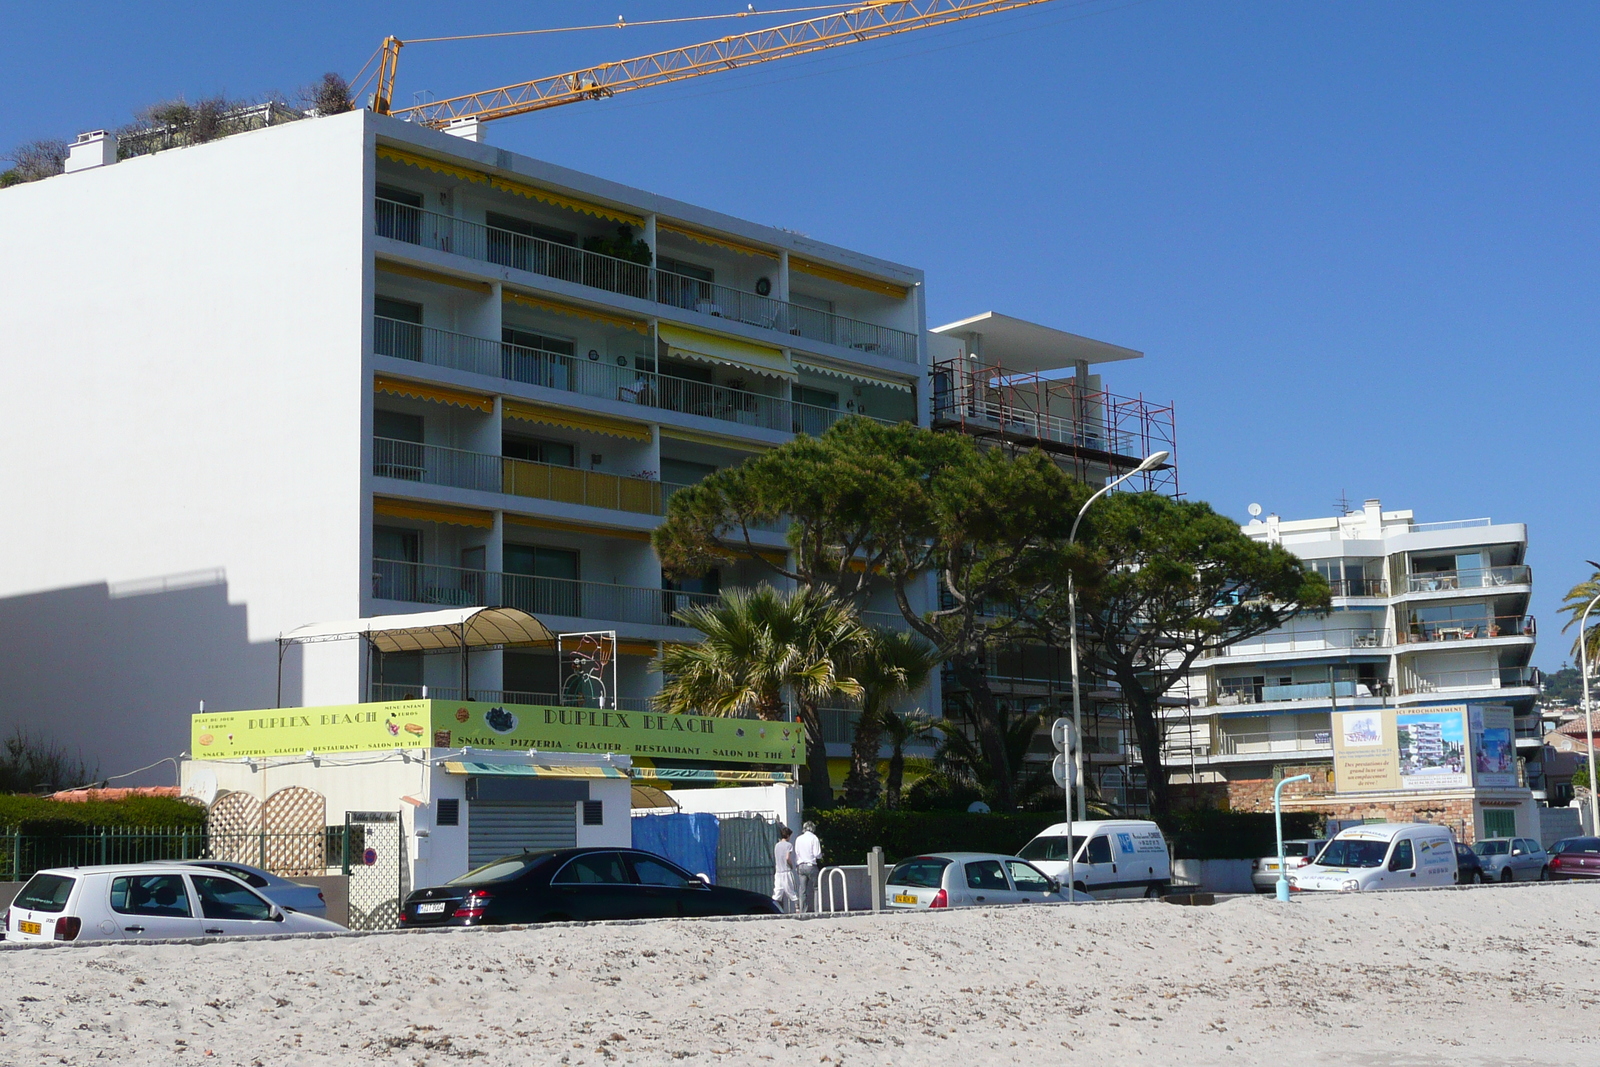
1099,850
1051,848
1577,844
1353,853
502,870
1490,848
536,450
924,872
986,874
399,196
244,874
1026,878
1403,859
397,544
543,342
224,898
402,310
397,426
659,872
151,894
597,868
45,892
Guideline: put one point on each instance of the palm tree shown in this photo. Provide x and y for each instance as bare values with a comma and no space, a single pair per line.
900,729
760,646
1573,603
963,772
893,665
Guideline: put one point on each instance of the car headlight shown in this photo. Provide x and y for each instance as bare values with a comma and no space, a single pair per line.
1351,886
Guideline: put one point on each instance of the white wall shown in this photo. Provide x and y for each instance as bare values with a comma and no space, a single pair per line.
782,802
181,352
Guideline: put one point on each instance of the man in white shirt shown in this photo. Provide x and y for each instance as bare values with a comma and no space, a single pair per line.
783,870
807,860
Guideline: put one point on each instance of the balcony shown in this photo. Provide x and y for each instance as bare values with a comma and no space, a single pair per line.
1414,683
401,222
1269,743
385,691
1232,695
1358,586
426,583
1476,578
556,370
1469,629
1327,640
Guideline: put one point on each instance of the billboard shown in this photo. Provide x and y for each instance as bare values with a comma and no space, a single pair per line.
1452,747
511,727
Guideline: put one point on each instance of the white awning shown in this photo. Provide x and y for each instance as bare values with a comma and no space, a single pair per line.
431,630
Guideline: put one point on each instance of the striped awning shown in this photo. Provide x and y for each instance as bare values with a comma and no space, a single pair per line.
848,277
420,512
586,528
531,770
506,185
556,307
583,421
643,767
714,240
883,381
711,348
437,277
437,394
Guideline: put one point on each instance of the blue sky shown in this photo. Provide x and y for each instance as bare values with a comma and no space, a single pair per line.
1357,241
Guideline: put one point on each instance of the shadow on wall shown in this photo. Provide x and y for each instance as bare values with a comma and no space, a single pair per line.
113,672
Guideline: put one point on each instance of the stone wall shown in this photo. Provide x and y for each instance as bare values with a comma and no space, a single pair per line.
1255,794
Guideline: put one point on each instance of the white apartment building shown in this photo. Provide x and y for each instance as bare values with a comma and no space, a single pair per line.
1424,615
348,367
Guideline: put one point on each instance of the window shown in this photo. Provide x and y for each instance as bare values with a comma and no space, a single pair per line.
542,579
1027,879
1403,859
656,872
594,813
536,450
449,813
816,303
535,358
924,873
499,870
224,898
533,339
986,874
820,398
399,214
394,542
244,874
1099,850
525,245
598,868
1051,848
684,285
685,472
45,892
403,310
153,894
397,446
399,196
400,673
395,554
397,426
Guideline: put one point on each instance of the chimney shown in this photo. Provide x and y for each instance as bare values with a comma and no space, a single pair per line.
1373,510
97,148
466,129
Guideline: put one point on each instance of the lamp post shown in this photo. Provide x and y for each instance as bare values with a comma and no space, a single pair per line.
1588,708
1149,463
1277,814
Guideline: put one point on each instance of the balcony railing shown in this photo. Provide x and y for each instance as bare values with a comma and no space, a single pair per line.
596,270
557,370
1476,578
1310,641
1485,678
1249,693
1244,744
380,691
1359,586
1469,629
426,583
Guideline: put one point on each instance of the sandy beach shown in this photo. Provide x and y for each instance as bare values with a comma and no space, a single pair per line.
1490,975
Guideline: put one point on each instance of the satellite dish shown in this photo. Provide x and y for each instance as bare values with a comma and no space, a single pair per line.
202,785
1254,510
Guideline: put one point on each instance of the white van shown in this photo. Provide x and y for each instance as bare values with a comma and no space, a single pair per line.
1399,855
1111,857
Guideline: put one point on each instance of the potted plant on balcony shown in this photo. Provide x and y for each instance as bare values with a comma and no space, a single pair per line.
617,277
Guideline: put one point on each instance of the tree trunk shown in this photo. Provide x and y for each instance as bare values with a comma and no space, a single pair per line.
985,714
1142,710
897,774
861,784
818,792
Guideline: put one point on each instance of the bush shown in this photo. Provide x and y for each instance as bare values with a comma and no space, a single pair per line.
1232,835
36,815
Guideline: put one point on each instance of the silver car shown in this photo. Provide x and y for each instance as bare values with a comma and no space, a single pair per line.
1296,854
296,896
964,879
1512,859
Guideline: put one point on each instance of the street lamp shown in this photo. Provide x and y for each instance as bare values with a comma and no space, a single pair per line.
1277,814
1588,708
1149,463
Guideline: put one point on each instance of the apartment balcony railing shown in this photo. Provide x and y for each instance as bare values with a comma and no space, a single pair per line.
426,583
381,691
1245,744
557,370
1470,629
596,270
1249,693
1486,678
970,405
1359,586
1476,578
1310,641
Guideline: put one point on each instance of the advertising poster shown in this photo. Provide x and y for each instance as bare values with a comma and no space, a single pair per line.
1494,757
1433,749
1365,754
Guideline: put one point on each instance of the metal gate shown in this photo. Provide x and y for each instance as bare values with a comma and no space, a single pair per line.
744,852
374,856
498,828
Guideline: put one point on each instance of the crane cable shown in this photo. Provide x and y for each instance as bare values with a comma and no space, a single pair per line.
622,24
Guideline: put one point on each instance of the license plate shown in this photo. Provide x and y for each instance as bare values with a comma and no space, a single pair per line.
1272,866
26,927
904,898
430,909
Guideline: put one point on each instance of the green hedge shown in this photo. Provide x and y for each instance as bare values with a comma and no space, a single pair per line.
849,834
36,815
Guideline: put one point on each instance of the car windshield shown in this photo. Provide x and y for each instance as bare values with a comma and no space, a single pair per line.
1491,848
1299,848
501,870
45,892
1051,848
1577,844
1348,853
926,872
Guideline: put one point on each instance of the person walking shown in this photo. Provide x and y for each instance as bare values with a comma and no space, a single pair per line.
784,891
807,861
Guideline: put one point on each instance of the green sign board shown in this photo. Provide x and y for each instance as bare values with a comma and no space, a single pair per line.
442,724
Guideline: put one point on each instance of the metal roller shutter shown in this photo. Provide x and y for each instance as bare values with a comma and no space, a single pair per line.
498,828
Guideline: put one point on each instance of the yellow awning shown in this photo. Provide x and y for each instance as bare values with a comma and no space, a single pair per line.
506,185
574,311
636,648
410,509
714,440
850,278
709,348
531,770
583,421
881,380
438,394
588,529
715,241
437,277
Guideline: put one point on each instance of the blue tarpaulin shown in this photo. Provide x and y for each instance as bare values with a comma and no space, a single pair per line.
689,840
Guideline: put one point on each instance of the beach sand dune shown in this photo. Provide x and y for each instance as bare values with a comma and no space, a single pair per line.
1490,975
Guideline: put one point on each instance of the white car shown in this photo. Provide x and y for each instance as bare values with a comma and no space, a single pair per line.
1111,858
296,896
965,879
143,901
1380,856
1296,854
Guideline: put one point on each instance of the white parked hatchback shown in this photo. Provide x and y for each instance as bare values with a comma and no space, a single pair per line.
1380,856
965,879
146,901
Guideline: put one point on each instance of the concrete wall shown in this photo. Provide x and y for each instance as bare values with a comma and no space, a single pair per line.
1215,876
781,802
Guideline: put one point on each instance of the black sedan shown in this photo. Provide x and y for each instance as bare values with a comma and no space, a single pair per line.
1469,870
576,884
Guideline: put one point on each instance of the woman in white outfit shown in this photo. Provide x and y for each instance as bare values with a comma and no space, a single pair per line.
784,889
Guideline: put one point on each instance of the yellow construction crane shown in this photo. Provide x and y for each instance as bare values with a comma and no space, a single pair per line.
870,21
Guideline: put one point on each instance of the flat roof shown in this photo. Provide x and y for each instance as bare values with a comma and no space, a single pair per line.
1018,345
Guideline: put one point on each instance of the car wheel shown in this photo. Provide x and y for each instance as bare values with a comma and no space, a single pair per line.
1080,887
1544,874
1507,875
1483,876
1151,893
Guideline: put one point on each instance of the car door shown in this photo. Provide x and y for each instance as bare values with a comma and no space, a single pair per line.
1401,869
1097,867
596,885
229,908
667,890
142,906
987,883
1028,883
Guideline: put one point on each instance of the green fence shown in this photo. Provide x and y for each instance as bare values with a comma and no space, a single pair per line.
22,853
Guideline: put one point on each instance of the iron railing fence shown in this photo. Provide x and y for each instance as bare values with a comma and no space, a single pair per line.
435,347
414,225
1468,628
295,853
1474,578
1310,641
1484,678
1233,693
427,583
